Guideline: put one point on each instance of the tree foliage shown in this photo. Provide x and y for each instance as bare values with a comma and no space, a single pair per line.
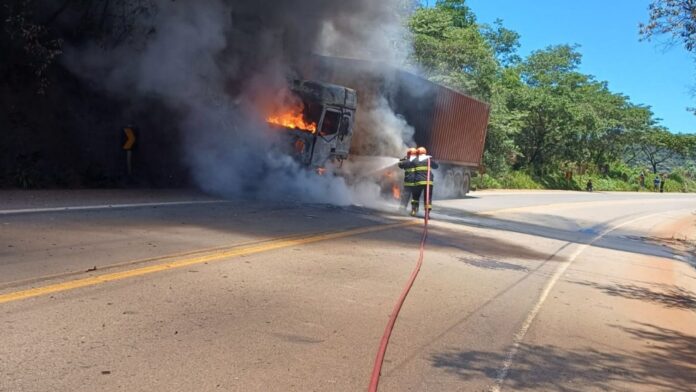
546,116
676,18
658,147
503,41
450,48
34,34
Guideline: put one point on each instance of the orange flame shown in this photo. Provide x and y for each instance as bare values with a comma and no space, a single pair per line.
396,192
293,119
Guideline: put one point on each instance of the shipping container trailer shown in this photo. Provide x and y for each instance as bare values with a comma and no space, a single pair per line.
450,124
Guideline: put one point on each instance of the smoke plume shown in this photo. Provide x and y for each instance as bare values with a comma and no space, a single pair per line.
217,62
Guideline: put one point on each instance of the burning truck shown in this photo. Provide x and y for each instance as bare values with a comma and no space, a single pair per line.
322,121
319,122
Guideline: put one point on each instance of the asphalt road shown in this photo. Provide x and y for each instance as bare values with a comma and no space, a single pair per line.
176,291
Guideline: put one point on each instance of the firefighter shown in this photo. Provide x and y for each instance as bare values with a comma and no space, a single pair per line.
407,164
421,180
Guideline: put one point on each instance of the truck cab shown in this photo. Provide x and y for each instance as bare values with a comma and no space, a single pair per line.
330,109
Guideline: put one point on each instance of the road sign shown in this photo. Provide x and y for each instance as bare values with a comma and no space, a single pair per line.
130,139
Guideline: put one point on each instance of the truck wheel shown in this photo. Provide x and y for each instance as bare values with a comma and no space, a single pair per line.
466,183
449,185
458,183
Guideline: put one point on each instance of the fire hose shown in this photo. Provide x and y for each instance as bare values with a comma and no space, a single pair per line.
377,370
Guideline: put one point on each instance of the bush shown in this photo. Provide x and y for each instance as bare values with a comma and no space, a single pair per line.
675,176
560,182
519,180
674,186
622,179
606,184
485,181
688,185
623,172
26,173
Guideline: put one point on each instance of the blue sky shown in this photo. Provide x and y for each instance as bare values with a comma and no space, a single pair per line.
607,32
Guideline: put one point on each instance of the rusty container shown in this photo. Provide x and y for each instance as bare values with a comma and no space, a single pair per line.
451,125
457,131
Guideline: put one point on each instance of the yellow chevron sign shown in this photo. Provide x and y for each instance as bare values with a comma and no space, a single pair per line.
130,138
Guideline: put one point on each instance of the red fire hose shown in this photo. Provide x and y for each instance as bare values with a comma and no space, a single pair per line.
377,370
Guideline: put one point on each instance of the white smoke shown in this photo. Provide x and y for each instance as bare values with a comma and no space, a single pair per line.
213,61
379,131
378,35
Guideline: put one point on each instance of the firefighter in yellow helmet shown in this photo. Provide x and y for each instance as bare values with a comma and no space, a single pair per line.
422,179
406,164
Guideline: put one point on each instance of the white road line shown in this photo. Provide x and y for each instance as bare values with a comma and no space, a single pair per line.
519,336
108,206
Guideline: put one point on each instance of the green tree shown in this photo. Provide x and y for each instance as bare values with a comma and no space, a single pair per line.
503,41
568,117
462,16
659,147
451,50
504,124
675,19
545,100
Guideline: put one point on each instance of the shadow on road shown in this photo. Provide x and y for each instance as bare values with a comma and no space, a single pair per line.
666,295
469,314
482,251
669,364
194,227
563,229
496,265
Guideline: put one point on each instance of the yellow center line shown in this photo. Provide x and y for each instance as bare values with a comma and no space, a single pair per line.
212,257
130,263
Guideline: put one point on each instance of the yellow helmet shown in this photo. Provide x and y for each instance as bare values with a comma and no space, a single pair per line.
422,151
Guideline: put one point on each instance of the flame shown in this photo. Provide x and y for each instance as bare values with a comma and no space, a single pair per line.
388,179
321,171
299,146
396,192
293,119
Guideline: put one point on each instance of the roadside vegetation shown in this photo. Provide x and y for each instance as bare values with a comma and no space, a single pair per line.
551,125
677,181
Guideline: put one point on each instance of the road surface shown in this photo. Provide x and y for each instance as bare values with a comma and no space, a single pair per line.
176,291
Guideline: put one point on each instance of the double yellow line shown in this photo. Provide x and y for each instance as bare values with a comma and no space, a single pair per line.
218,255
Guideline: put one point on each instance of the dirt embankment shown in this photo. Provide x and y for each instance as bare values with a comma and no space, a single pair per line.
680,236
